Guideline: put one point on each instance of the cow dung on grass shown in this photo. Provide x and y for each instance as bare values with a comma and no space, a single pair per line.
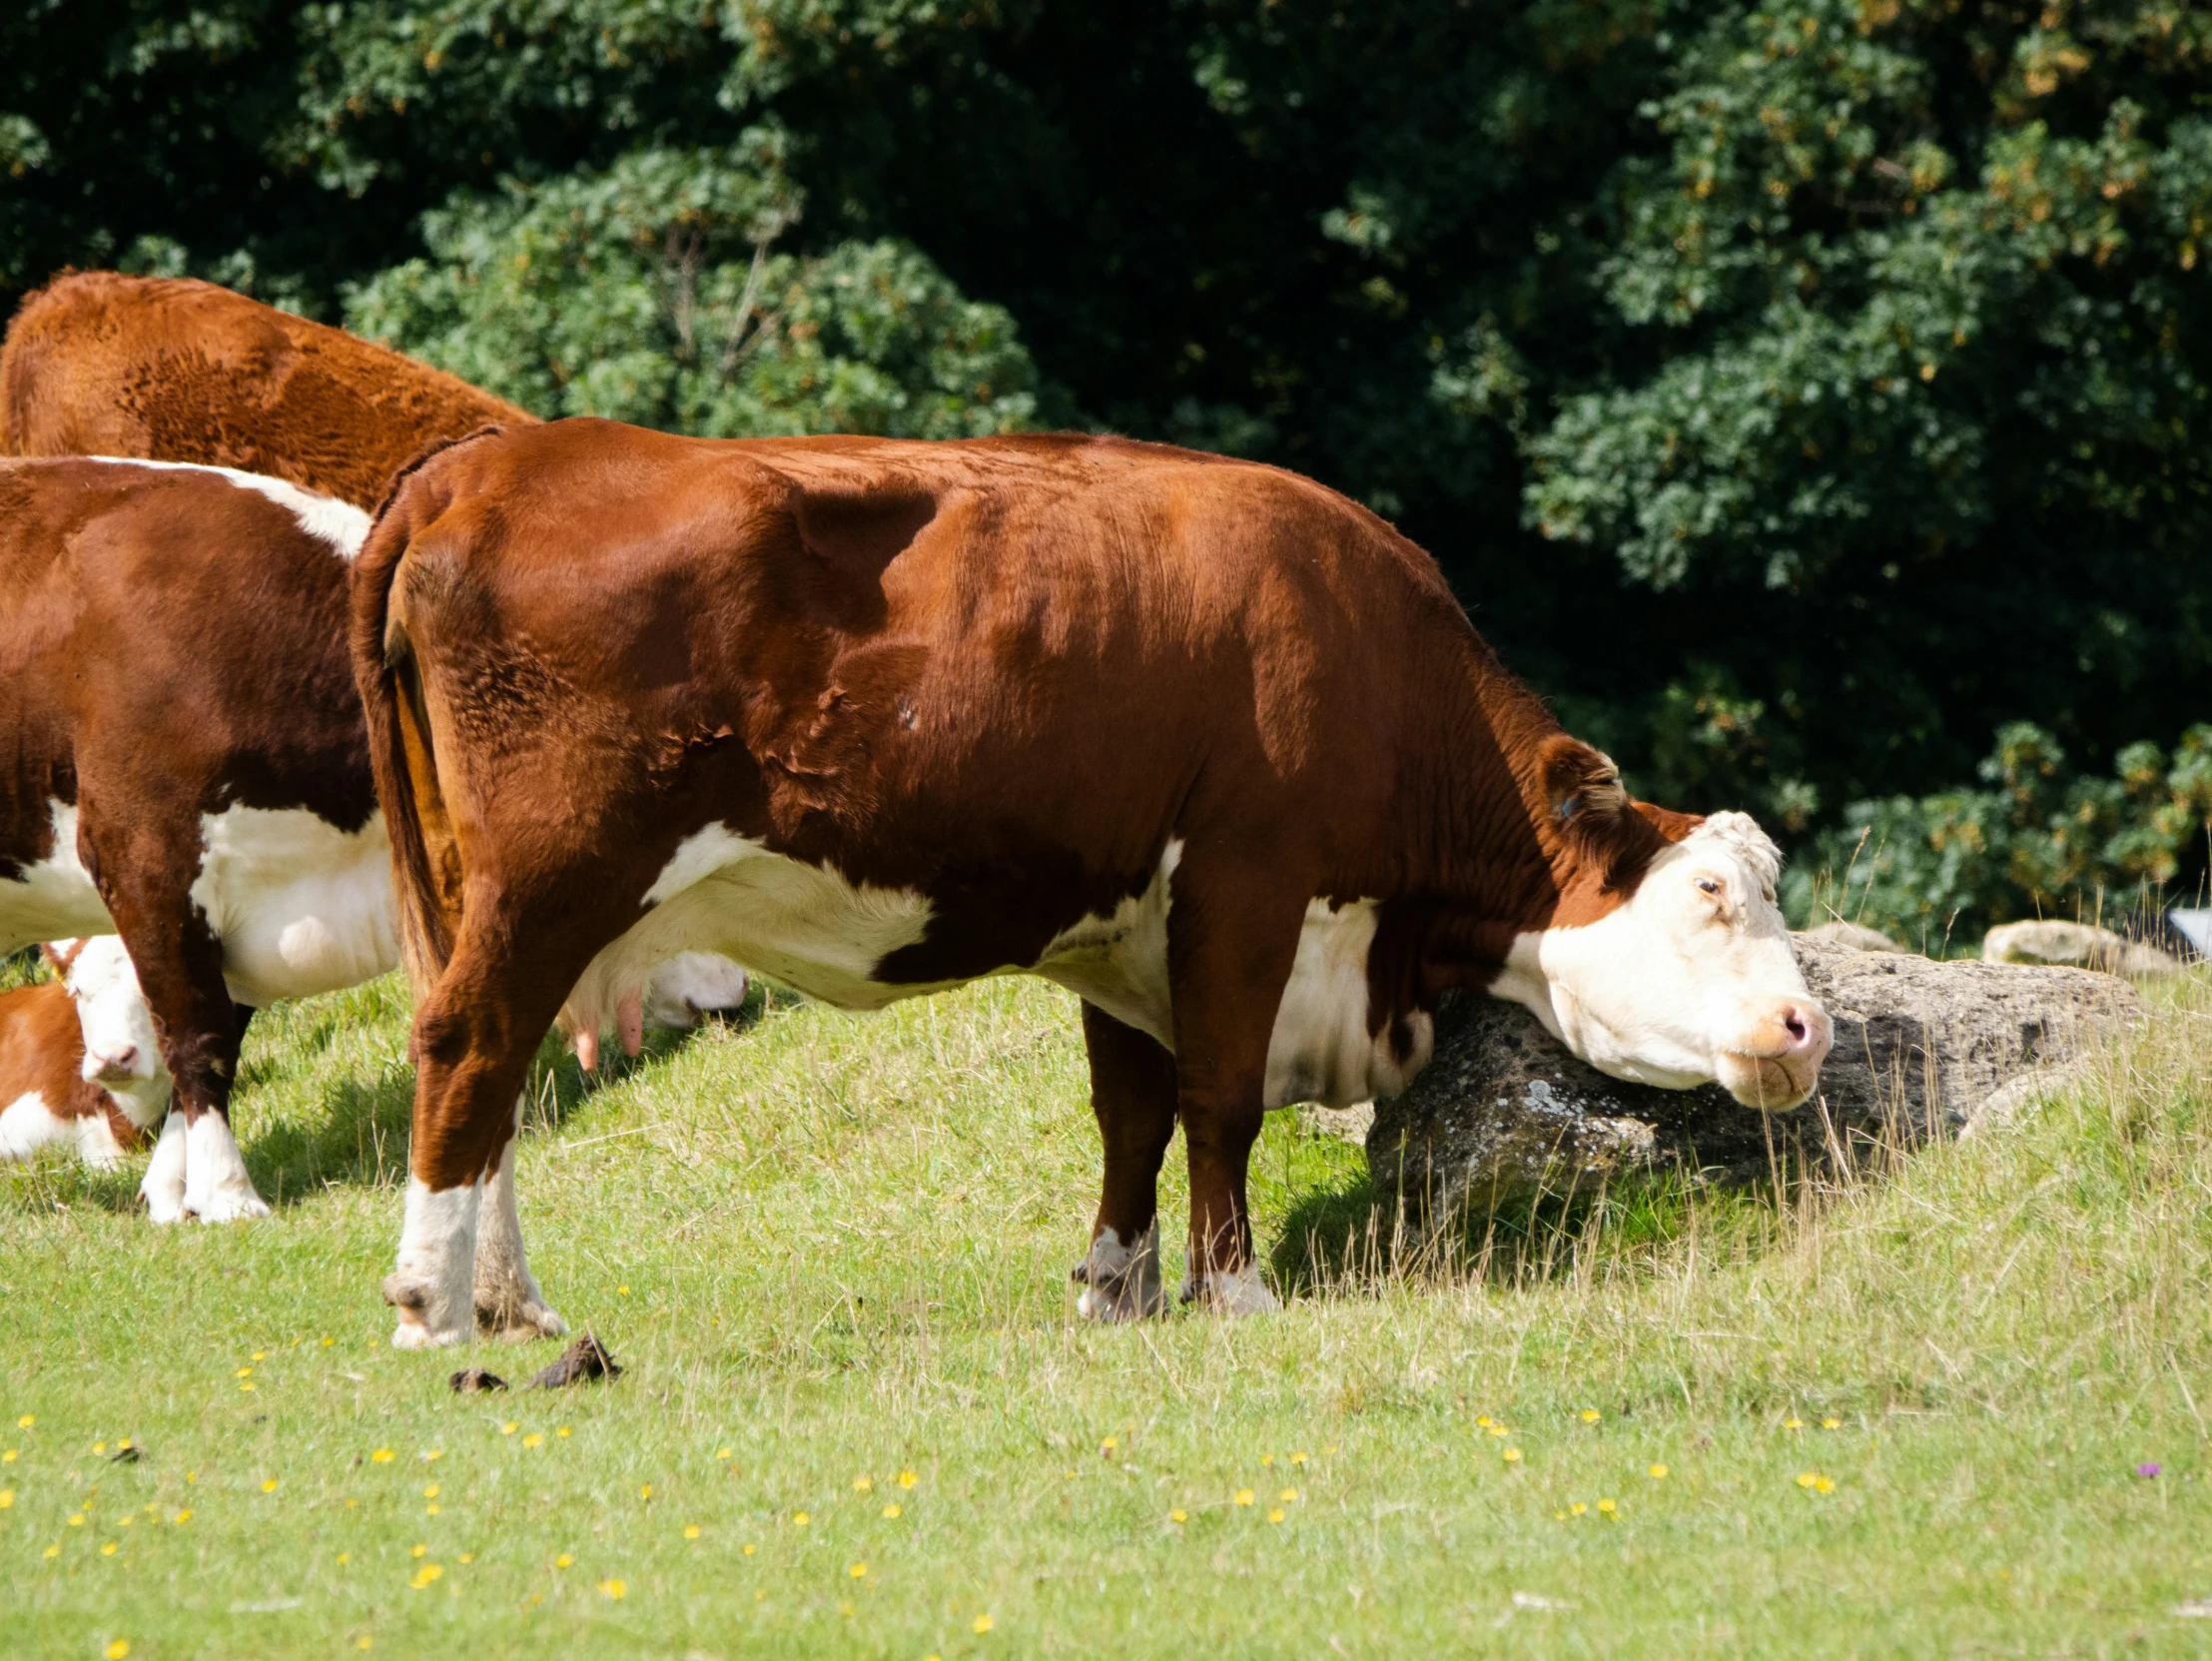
1504,1113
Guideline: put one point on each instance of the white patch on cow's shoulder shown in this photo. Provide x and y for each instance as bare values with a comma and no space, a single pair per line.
338,523
1321,1048
300,906
431,1286
27,1124
216,1188
804,924
53,899
1119,963
164,1187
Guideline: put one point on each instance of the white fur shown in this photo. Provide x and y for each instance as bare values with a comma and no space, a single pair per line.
300,906
804,924
164,1187
1119,963
216,1188
1321,1050
338,523
1238,1293
691,984
438,1259
53,899
508,1299
1121,1282
1661,990
122,1051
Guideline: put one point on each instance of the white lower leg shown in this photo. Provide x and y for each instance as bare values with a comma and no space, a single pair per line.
216,1188
1233,1292
508,1302
430,1287
1121,1282
164,1188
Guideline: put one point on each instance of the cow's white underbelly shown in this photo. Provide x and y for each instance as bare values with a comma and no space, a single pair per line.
53,899
300,906
812,929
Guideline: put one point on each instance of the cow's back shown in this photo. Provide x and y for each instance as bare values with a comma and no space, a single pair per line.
175,369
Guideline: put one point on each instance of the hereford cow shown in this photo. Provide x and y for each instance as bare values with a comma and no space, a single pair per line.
183,761
169,369
1197,739
79,1067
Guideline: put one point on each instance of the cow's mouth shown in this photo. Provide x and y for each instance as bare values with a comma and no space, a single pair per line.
1778,1062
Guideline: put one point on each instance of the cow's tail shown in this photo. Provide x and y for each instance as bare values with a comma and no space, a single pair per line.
426,856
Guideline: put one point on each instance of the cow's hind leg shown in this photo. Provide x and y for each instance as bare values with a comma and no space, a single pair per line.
1133,1091
475,1036
509,1304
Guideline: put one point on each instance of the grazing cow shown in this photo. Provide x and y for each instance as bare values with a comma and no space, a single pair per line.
1199,740
173,369
79,1065
186,765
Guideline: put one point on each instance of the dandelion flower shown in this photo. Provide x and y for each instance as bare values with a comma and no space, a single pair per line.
859,1572
721,1453
363,1641
432,1509
431,1455
645,1491
907,1480
1825,1485
1243,1497
563,1561
1512,1455
1832,1425
1608,1507
747,1548
621,1291
421,1551
77,1521
248,1385
381,1456
1792,1423
1590,1416
326,1343
562,1432
118,1649
52,1551
7,1498
615,1589
1275,1515
691,1531
1287,1495
1483,1419
983,1623
468,1557
99,1447
245,1372
862,1484
261,1355
424,1575
798,1520
108,1550
344,1558
8,1458
269,1485
1178,1516
1495,1428
510,1428
1106,1448
1266,1458
534,1439
1297,1458
1657,1471
183,1516
1576,1509
431,1492
891,1510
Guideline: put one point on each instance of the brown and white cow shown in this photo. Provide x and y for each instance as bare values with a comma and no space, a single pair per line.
183,761
1200,740
171,369
79,1064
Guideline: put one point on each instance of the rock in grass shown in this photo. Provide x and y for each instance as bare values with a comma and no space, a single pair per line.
1504,1113
581,1362
2077,945
1857,935
476,1381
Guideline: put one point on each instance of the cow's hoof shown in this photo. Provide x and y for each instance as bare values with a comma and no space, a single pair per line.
228,1206
1120,1283
420,1325
1232,1292
163,1205
515,1321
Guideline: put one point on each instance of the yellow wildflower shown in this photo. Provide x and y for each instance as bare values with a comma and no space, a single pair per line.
261,1355
1483,1419
621,1291
534,1439
891,1510
691,1531
1297,1458
510,1428
747,1548
1512,1455
1608,1507
1287,1495
52,1551
862,1484
381,1456
1657,1471
118,1649
432,1509
983,1623
1832,1425
1275,1515
1590,1416
1792,1423
421,1551
563,1561
1178,1516
615,1589
646,1492
77,1521
1243,1497
8,1458
1495,1428
1576,1509
907,1480
7,1498
721,1453
1825,1485
468,1557
1106,1448
424,1575
798,1520
344,1558
108,1550
363,1641
562,1431
859,1572
431,1455
99,1447
269,1485
183,1516
1266,1458
431,1492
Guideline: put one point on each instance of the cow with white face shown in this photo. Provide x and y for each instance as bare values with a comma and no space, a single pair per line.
57,1090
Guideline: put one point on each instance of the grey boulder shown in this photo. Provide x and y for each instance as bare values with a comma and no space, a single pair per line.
1503,1113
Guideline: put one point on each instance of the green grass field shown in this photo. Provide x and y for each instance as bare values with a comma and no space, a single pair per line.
860,1419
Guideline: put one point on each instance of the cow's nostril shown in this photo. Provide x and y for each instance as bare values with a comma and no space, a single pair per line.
1796,1023
121,1061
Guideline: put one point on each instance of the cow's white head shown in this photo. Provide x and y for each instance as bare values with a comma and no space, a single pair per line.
122,1051
1687,979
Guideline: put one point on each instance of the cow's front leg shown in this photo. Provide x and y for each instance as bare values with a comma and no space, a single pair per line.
1227,970
1133,1093
474,1035
509,1304
144,871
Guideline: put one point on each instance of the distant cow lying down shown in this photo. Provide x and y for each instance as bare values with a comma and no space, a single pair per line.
79,1065
175,369
182,762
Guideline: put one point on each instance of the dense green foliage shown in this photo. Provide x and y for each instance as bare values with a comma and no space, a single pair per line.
1798,393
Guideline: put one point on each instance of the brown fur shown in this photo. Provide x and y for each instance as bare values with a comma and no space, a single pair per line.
1000,673
173,369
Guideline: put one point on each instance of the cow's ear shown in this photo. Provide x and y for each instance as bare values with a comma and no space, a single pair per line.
1670,824
61,953
1581,784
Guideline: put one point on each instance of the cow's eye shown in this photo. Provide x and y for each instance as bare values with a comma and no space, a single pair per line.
1709,885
